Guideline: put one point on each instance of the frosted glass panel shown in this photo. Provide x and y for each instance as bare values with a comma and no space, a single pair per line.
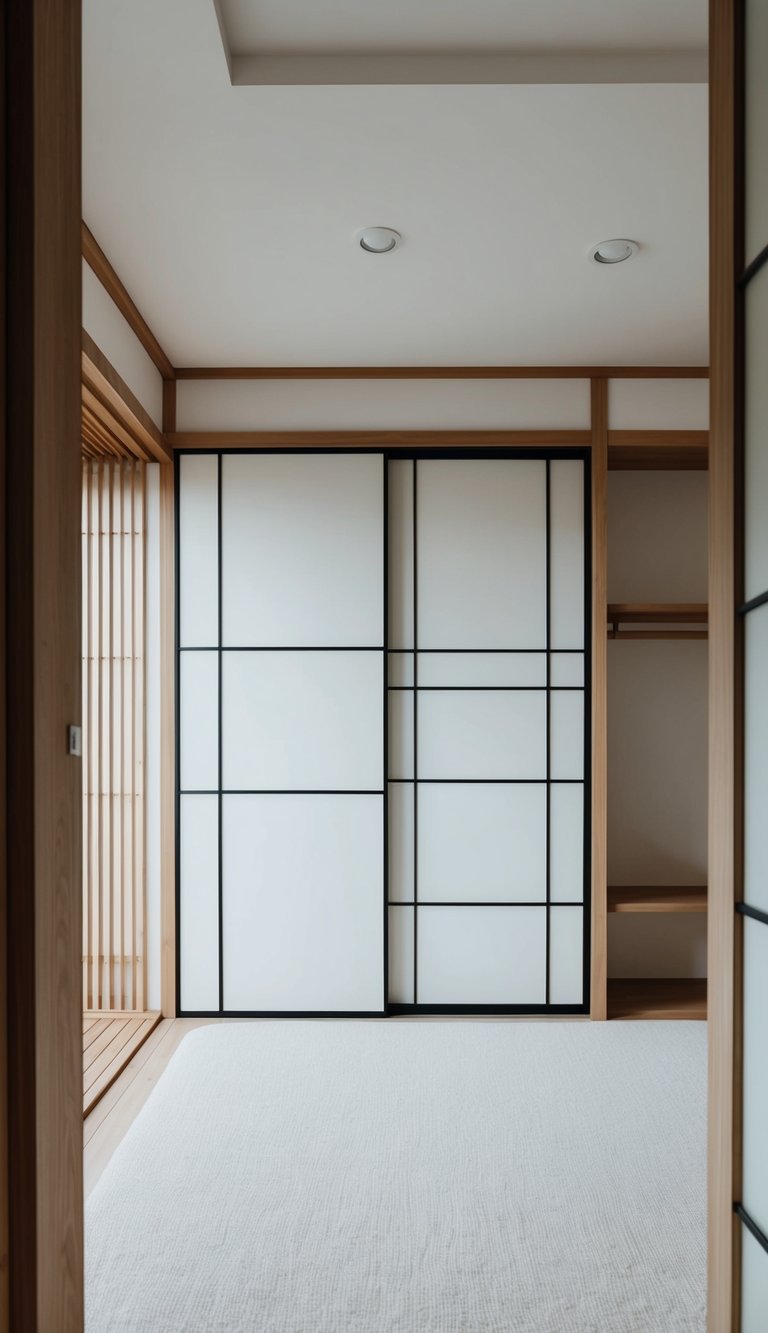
756,436
566,519
756,758
481,843
401,942
482,955
400,510
199,902
302,550
302,919
755,1169
401,734
754,1284
482,669
490,734
566,955
306,721
400,668
566,716
198,573
401,842
481,548
566,669
566,842
756,127
199,721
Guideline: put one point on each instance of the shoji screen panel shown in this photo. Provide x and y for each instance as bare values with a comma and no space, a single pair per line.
281,733
753,1203
487,724
114,742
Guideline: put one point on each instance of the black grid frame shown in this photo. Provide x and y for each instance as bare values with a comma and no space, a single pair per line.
388,1008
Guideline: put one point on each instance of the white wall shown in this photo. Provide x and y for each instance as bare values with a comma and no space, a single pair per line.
116,339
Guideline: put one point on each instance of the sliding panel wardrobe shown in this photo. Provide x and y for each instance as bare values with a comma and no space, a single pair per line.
360,839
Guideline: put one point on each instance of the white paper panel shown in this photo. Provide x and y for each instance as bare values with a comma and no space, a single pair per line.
302,550
481,534
756,129
666,404
566,955
480,843
754,1284
566,842
400,668
293,720
566,719
482,669
401,841
488,734
400,734
199,893
401,940
199,721
756,758
481,955
566,537
566,669
400,515
302,918
755,1159
198,574
756,435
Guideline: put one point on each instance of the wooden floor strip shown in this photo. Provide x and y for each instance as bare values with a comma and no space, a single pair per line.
110,1041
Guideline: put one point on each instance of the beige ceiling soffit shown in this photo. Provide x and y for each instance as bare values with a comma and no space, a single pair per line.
289,70
96,259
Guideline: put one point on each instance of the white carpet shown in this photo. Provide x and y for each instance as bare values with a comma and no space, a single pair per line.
380,1177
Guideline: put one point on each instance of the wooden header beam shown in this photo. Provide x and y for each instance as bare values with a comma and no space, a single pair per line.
440,372
96,259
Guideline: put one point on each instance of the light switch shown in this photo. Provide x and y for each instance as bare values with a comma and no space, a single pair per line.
75,741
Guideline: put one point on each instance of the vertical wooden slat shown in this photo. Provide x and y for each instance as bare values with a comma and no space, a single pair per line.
167,740
723,942
599,951
140,723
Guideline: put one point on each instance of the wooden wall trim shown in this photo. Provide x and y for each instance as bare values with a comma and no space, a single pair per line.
167,744
439,372
375,439
723,1281
43,321
108,396
96,259
599,937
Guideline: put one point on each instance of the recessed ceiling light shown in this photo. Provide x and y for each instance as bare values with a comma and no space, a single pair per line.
379,240
614,252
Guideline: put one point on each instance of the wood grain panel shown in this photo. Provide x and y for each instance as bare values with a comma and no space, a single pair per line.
110,398
42,351
599,936
376,439
114,748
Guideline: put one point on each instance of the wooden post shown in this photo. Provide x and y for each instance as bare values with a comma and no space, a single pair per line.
599,951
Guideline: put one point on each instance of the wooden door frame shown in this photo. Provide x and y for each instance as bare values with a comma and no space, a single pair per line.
42,1282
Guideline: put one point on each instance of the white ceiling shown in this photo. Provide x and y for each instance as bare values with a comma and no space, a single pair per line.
231,212
456,25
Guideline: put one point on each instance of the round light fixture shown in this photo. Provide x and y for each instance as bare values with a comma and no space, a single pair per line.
614,252
378,240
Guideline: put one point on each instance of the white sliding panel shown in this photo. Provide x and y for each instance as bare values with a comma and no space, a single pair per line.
487,732
281,720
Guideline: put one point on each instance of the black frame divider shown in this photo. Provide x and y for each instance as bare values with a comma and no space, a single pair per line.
390,1007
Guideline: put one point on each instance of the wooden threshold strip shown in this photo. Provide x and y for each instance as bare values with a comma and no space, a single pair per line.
678,615
679,898
110,1040
657,998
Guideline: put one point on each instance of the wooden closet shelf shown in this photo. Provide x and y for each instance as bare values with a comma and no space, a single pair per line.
677,615
657,998
654,898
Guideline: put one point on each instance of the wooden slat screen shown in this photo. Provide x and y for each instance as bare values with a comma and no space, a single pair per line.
114,744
